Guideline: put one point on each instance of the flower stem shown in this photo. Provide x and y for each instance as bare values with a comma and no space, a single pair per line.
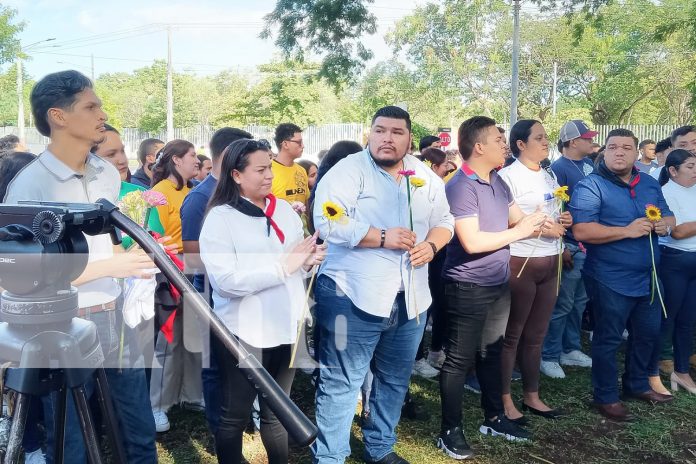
655,282
147,217
530,255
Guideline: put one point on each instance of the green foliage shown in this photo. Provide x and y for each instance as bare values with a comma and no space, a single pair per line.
329,28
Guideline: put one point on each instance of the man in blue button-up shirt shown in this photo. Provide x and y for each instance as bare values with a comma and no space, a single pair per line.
367,301
609,209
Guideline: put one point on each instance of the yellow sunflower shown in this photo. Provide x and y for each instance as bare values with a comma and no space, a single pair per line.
333,211
416,182
561,193
653,213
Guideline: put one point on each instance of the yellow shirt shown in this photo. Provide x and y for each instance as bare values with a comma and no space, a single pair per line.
169,214
290,183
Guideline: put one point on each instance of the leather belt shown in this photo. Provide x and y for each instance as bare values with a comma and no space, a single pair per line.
110,306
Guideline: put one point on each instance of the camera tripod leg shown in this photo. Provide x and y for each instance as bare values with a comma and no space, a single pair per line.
19,420
59,425
89,434
107,408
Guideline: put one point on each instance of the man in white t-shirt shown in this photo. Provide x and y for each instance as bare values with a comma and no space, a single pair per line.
67,110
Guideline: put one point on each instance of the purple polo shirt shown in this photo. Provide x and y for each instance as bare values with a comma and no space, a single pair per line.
470,196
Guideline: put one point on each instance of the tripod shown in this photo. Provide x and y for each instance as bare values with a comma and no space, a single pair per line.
42,250
72,346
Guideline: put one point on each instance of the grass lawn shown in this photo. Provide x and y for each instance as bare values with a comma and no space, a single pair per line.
663,434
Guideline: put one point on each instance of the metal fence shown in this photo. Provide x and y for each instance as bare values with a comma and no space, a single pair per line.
316,138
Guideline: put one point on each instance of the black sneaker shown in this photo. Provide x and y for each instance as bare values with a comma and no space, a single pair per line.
453,443
504,427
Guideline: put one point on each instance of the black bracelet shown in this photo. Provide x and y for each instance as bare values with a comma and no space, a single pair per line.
434,248
383,237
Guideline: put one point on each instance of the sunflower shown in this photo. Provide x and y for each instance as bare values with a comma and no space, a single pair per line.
416,182
561,193
653,213
333,211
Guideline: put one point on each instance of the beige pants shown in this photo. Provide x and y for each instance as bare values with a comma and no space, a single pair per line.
179,377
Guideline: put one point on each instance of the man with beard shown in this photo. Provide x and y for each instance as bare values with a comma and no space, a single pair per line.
372,292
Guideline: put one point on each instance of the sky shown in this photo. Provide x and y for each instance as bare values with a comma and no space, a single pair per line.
208,36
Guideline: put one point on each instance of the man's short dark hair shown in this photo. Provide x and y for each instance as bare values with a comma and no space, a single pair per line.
202,159
393,112
646,142
681,131
427,141
663,145
145,148
57,90
8,143
225,136
285,132
621,133
470,133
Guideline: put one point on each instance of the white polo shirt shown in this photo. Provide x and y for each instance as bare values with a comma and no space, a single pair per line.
49,179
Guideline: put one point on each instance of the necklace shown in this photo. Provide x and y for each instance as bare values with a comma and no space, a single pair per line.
576,166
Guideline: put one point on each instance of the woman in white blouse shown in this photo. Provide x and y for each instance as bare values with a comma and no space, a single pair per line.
533,294
254,252
678,267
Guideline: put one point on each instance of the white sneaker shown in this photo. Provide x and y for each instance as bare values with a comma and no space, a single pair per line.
576,358
161,420
35,457
422,368
436,358
552,369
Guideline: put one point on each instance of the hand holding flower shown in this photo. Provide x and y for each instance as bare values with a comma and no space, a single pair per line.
566,219
639,228
421,254
660,227
399,238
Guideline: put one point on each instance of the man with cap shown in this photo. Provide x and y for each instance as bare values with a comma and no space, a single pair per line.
562,342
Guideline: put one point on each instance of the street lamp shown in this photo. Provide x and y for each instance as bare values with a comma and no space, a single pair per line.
20,85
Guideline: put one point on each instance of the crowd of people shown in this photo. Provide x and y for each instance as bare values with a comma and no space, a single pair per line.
500,253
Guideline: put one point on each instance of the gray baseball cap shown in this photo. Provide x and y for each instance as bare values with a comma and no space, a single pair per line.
576,129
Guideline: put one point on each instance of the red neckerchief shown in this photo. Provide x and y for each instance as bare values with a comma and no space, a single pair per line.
270,209
168,327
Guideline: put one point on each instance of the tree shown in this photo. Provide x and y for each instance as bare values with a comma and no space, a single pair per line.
329,28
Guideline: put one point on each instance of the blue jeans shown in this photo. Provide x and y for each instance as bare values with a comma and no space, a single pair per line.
614,313
350,342
563,335
679,270
129,395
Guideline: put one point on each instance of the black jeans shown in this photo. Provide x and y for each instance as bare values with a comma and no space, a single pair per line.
237,400
437,308
476,321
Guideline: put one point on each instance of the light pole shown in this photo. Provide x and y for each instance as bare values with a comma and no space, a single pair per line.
20,86
515,60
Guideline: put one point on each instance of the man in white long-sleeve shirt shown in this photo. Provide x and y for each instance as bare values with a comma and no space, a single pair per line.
367,302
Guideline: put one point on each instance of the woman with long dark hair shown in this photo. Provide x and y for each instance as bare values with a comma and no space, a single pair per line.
678,270
254,252
179,380
533,267
175,167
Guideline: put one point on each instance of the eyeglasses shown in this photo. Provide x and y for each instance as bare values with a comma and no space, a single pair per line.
299,142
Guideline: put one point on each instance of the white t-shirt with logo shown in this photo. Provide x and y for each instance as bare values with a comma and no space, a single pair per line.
533,189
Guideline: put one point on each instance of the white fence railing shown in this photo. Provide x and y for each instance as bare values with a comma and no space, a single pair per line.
316,138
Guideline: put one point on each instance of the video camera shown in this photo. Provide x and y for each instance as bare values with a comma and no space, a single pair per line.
43,249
